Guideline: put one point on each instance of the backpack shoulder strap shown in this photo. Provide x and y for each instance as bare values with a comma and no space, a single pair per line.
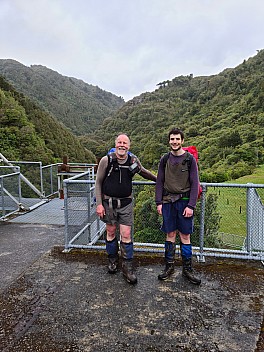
132,158
188,159
111,157
112,162
164,159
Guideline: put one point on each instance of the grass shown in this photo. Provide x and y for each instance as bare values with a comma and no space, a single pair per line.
231,206
257,177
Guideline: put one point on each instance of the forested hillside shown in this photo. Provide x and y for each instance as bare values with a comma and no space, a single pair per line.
27,132
223,115
79,106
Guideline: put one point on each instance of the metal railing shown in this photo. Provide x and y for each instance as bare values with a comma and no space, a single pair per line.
34,184
82,225
10,196
224,211
246,214
45,181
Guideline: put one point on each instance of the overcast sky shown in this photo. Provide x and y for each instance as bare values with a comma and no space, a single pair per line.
126,47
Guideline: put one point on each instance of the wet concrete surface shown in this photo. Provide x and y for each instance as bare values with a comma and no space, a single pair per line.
59,302
22,244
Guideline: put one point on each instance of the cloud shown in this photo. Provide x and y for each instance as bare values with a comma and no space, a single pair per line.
127,47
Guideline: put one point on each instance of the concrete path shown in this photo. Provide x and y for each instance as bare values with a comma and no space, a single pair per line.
52,301
23,244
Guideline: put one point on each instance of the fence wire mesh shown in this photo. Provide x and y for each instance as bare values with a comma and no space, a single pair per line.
32,171
9,193
50,179
82,224
255,237
224,223
37,183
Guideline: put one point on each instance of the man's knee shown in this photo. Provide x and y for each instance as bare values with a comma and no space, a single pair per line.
185,238
171,236
111,231
125,232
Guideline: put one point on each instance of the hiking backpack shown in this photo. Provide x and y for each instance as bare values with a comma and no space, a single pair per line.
191,150
113,164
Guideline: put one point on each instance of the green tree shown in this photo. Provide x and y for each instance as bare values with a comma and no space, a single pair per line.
231,139
212,223
147,222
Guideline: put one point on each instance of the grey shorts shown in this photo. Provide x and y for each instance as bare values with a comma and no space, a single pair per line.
123,216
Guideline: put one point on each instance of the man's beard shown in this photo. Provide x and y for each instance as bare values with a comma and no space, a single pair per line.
176,149
123,152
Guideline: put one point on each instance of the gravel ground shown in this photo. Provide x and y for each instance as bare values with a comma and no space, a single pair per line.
58,302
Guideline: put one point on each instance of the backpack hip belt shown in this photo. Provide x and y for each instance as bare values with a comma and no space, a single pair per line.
173,197
121,202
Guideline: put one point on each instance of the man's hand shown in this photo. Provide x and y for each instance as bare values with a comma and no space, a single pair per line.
100,210
188,212
159,209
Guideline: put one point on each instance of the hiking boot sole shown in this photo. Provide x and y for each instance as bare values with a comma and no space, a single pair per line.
112,270
194,282
131,282
164,278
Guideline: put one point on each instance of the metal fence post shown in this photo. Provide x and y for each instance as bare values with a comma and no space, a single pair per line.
249,219
89,209
201,257
3,198
51,179
66,216
19,187
41,179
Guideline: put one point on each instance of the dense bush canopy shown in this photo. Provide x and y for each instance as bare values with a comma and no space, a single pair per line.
223,115
80,106
27,132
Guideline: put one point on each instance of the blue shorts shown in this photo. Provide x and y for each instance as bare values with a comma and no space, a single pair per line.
174,220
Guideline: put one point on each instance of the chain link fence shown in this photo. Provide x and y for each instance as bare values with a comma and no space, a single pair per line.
9,191
240,212
49,179
229,219
82,226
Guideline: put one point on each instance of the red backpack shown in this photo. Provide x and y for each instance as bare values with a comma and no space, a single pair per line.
192,150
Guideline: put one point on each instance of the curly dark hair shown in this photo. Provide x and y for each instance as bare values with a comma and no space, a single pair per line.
176,130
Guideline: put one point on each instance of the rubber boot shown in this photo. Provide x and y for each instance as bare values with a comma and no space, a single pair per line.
113,258
169,261
127,262
187,270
